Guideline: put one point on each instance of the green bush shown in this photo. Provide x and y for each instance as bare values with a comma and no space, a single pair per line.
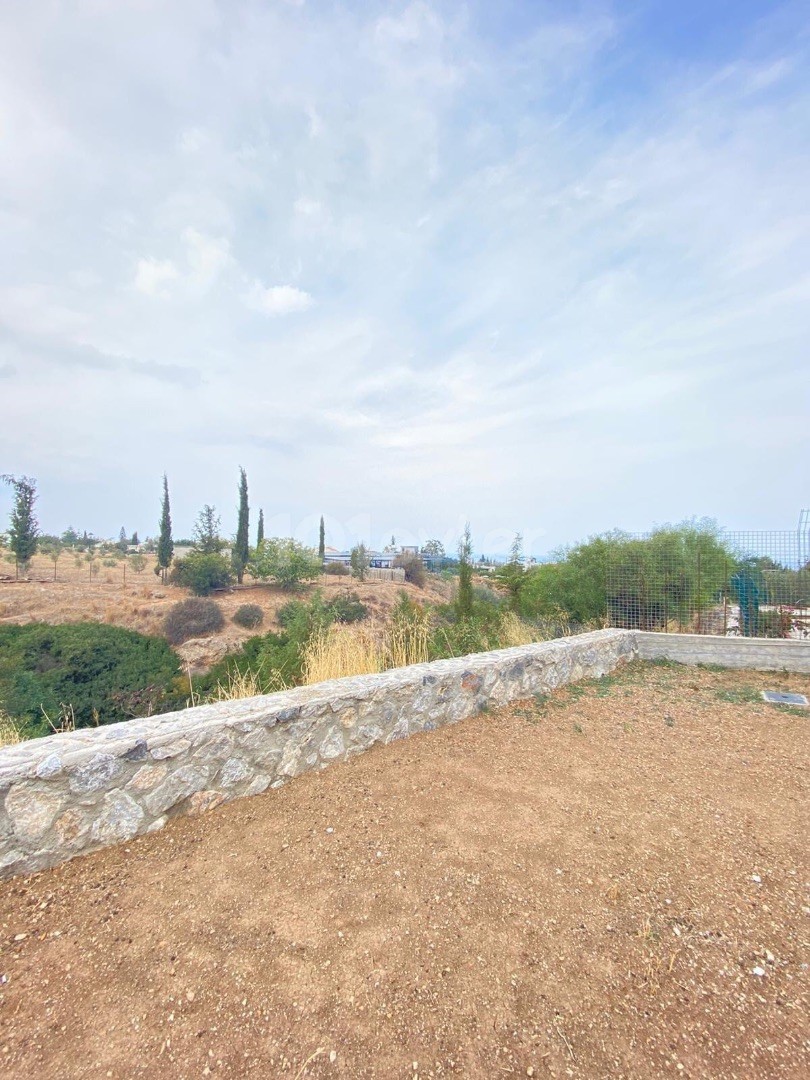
316,613
105,673
202,572
192,618
248,615
338,569
348,608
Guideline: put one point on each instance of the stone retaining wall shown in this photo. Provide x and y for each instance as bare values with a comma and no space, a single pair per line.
760,654
68,794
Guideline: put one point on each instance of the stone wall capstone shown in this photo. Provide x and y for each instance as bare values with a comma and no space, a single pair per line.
68,794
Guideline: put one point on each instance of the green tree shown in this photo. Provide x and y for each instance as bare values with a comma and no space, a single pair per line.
165,544
464,597
260,529
322,540
207,537
23,531
53,548
123,542
202,572
286,561
134,541
434,549
240,551
512,574
359,561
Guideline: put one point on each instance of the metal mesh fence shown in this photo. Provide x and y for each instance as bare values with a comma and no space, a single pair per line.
751,584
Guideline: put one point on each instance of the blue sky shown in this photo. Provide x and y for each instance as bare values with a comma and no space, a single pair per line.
541,266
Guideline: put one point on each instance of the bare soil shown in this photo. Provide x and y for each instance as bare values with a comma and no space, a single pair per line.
140,602
607,883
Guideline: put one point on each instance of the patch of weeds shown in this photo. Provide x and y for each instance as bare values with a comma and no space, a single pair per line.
741,695
663,662
483,706
529,715
669,721
793,710
627,728
577,691
606,685
578,730
711,667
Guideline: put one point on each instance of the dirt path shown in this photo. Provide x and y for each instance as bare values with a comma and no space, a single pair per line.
606,884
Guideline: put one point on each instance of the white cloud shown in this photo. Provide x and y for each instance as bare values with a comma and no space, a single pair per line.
154,276
278,299
552,263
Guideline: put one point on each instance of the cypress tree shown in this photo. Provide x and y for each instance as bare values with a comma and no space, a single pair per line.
241,545
322,541
464,599
260,529
23,527
165,544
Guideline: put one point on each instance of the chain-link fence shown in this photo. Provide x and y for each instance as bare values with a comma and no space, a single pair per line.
752,584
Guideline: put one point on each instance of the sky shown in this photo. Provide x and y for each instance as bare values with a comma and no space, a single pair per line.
542,266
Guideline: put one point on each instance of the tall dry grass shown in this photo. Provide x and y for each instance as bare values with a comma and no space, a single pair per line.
10,733
407,639
245,684
339,651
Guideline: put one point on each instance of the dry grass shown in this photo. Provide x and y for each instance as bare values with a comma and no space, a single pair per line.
142,601
10,733
340,651
244,684
514,631
407,639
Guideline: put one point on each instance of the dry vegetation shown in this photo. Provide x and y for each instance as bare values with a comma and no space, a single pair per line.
141,603
611,882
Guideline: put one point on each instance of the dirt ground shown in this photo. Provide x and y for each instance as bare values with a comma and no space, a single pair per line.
140,602
611,882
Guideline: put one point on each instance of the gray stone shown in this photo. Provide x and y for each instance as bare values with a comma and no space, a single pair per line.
49,766
170,749
177,786
332,746
32,811
233,772
120,819
137,752
95,774
258,784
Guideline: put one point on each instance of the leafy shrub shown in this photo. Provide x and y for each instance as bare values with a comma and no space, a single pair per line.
202,572
413,566
286,561
192,618
317,613
103,673
338,569
348,608
248,615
